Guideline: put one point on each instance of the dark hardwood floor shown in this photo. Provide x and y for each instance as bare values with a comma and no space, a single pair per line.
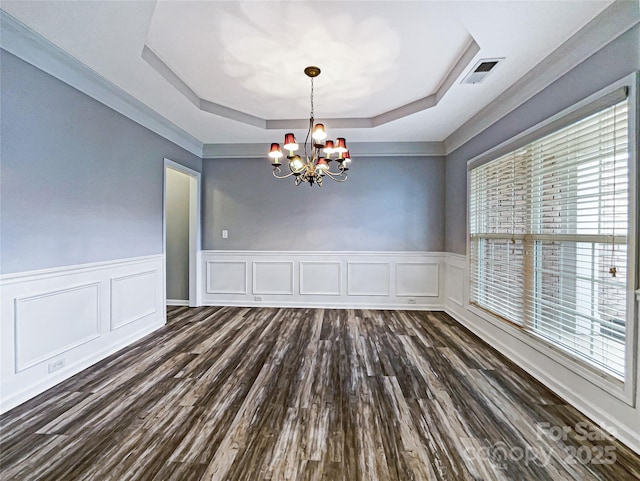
259,394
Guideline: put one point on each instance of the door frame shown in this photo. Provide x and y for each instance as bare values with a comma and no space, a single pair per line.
194,229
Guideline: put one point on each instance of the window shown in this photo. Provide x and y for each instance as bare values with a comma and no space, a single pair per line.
548,229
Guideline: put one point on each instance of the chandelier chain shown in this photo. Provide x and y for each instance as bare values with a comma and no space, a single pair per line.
312,116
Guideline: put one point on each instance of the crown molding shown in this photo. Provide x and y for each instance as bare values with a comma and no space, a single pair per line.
357,149
471,50
612,22
24,43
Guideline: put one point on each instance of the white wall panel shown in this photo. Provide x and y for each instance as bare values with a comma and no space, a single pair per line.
51,323
325,279
455,284
415,279
56,322
226,277
133,297
320,278
273,277
368,279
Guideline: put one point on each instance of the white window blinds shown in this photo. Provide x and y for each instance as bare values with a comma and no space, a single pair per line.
548,237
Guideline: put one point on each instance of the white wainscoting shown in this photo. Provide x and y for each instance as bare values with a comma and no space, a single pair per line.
56,322
608,403
383,280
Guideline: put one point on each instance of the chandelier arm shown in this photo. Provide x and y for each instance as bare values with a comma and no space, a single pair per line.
281,176
337,176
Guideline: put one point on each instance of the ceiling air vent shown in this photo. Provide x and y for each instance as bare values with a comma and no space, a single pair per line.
481,70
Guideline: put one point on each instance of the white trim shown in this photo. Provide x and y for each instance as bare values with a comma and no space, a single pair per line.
208,268
305,292
327,305
615,20
357,149
379,291
288,292
195,186
70,370
596,413
82,347
18,301
115,326
31,47
402,254
542,128
430,101
604,381
560,373
13,277
177,302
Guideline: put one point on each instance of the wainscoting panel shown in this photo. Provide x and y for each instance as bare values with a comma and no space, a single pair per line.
226,277
41,335
56,322
273,277
386,280
416,279
134,297
320,278
455,284
368,278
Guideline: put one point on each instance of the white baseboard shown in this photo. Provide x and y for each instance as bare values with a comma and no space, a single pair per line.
56,322
607,408
177,302
328,305
64,374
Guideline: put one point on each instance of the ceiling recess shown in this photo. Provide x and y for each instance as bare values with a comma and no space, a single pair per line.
480,71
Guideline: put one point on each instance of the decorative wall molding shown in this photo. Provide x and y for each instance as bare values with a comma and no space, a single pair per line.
31,47
273,277
615,20
322,278
39,336
360,149
226,277
368,278
133,297
56,322
387,280
609,403
448,79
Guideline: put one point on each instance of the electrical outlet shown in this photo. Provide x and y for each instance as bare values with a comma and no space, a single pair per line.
257,298
54,366
411,301
225,234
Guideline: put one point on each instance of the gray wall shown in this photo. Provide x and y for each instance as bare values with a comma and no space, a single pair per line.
177,228
388,204
79,182
618,59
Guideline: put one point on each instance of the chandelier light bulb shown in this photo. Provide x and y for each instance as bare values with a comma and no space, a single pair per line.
341,145
275,152
290,142
328,147
322,164
319,132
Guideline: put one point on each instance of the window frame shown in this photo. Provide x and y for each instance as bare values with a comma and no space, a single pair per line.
622,389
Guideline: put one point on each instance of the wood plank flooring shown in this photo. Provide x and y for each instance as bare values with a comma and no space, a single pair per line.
233,394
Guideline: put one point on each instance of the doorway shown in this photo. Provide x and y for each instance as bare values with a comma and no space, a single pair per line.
181,234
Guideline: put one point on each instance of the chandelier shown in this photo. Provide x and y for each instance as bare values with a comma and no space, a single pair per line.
315,164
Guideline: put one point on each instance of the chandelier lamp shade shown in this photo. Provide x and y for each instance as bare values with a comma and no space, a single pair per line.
319,153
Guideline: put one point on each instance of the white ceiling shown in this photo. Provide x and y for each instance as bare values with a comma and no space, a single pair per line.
375,56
